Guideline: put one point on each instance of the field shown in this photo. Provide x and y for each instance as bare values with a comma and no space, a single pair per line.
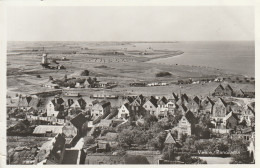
120,62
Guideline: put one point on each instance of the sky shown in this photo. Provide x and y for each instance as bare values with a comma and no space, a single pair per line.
97,23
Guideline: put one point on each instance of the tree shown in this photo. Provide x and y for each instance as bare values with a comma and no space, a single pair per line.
169,153
241,158
85,73
240,154
126,137
186,158
88,140
150,119
158,142
222,147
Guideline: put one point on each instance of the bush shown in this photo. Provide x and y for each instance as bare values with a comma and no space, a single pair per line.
163,74
84,73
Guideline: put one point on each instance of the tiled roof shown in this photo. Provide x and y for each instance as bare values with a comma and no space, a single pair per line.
169,139
105,123
79,120
104,103
190,117
42,129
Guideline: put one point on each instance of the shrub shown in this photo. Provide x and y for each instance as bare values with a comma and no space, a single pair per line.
163,74
84,73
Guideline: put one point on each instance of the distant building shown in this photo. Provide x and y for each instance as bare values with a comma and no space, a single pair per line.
162,109
51,85
151,105
186,124
55,107
220,110
230,121
101,108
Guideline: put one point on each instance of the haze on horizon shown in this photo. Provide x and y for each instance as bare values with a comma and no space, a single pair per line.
183,23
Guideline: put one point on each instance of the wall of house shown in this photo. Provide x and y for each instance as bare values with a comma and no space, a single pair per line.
149,107
184,127
123,111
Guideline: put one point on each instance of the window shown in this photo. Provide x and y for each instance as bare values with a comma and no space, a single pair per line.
151,107
145,106
96,114
123,111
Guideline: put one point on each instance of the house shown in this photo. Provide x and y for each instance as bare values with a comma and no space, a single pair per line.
207,106
51,85
79,104
55,106
228,91
161,110
169,139
230,121
24,102
101,108
78,122
87,84
248,92
105,123
194,105
52,152
151,105
219,91
182,108
129,100
186,124
173,97
70,102
139,100
124,111
69,130
103,84
47,130
249,114
79,85
170,107
220,109
251,147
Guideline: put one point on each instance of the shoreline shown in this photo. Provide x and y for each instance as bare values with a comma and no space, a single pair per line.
227,72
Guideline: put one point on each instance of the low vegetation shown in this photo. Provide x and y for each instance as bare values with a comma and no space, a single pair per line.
163,74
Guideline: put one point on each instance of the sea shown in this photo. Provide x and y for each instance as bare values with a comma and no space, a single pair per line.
236,57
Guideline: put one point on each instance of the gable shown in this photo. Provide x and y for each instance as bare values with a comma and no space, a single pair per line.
148,103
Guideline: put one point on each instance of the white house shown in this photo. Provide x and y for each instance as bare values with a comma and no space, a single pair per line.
101,108
55,106
124,111
151,105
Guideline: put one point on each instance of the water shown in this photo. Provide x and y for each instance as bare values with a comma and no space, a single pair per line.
234,57
217,160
